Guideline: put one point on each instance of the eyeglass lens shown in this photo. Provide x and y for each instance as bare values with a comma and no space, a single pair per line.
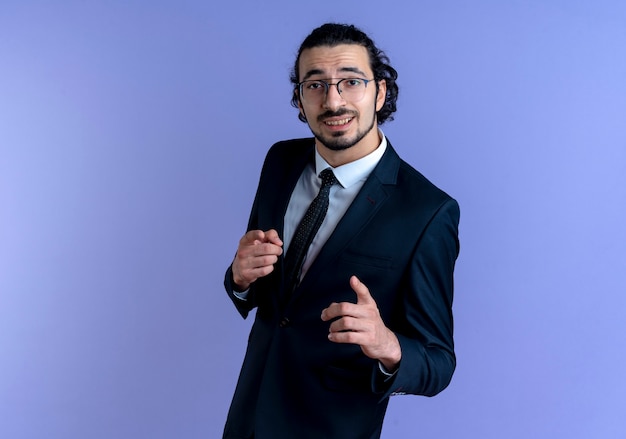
352,89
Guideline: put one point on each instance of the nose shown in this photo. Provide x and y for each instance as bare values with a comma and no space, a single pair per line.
333,99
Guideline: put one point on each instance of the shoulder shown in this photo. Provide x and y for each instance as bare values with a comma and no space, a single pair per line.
288,149
409,181
286,159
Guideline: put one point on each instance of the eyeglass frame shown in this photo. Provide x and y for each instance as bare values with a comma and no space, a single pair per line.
336,84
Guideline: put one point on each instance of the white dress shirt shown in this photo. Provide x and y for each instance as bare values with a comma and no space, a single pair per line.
351,178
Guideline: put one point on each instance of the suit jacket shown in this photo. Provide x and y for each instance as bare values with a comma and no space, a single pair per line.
400,237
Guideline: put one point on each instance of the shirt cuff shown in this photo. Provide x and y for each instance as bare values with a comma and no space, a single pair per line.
385,372
241,295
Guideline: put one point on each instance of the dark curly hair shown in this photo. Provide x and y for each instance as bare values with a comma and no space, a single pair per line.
333,34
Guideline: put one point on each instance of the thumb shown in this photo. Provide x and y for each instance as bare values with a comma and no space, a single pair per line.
363,295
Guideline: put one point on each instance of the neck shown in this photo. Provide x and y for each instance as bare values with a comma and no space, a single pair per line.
365,146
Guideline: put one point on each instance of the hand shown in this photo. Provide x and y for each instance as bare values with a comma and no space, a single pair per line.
257,253
361,324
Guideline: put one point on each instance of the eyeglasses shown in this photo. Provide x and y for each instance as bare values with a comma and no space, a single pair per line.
350,89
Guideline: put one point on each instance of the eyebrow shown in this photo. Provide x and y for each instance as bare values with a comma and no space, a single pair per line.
343,69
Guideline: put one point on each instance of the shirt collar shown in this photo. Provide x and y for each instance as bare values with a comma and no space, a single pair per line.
355,171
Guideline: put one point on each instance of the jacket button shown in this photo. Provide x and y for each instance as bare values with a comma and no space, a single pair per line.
284,322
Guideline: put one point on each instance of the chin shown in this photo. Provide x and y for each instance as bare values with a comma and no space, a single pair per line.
335,143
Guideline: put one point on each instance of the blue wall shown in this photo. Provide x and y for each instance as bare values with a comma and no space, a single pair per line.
131,139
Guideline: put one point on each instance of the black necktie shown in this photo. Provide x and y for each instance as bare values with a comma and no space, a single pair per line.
307,229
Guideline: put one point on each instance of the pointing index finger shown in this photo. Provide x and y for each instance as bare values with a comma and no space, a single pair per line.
272,236
363,295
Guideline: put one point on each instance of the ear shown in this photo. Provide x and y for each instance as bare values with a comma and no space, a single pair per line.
299,104
381,94
300,107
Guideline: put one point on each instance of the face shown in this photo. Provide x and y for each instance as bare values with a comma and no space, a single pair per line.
339,124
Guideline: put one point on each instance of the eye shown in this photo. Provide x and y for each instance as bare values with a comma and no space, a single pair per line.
353,82
314,85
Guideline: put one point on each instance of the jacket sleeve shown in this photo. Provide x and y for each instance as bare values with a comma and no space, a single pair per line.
425,328
245,306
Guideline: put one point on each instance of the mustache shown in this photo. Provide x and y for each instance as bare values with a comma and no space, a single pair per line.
337,113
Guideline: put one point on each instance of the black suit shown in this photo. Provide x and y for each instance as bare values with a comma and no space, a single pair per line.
400,238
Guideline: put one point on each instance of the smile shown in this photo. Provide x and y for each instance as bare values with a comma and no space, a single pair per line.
338,122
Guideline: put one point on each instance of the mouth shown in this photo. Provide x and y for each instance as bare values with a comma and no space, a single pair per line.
338,122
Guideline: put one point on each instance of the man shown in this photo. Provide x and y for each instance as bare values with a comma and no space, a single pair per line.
363,311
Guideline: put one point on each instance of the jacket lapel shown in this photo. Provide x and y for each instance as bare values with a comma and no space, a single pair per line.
291,170
284,177
368,201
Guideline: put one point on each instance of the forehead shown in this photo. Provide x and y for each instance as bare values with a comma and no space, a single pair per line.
328,62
